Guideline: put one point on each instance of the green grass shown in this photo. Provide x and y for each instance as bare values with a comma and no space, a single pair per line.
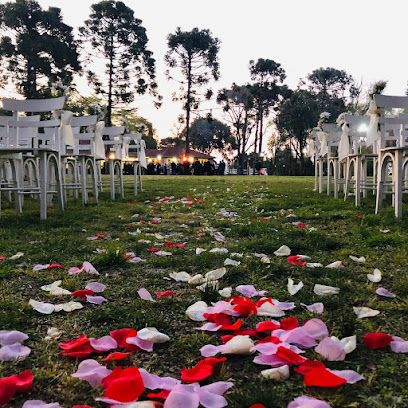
261,226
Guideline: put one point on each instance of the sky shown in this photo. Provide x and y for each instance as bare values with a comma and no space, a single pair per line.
366,38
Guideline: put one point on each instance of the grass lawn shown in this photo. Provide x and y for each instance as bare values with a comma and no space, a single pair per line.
261,226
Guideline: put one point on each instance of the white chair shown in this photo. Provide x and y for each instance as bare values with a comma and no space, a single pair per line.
315,154
80,159
392,150
356,156
333,135
113,150
139,145
37,142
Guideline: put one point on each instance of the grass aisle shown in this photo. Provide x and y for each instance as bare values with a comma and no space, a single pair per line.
334,230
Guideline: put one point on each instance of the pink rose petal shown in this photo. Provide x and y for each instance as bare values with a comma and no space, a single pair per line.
315,307
40,267
399,345
145,295
14,352
272,360
309,402
331,349
153,382
96,300
384,292
249,290
146,345
11,337
351,376
92,372
89,268
298,336
209,350
103,344
74,270
210,327
96,287
40,404
284,305
316,328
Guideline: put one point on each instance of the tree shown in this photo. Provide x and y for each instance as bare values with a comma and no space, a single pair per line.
266,90
40,47
238,104
137,124
195,53
120,39
209,134
297,116
330,86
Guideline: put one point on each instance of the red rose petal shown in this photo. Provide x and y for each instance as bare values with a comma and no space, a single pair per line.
309,365
234,326
212,361
289,355
226,338
112,376
152,249
267,327
162,394
7,389
257,406
197,373
121,335
116,356
377,340
82,339
260,302
167,293
126,387
244,332
82,293
23,381
84,350
55,266
289,323
321,377
270,339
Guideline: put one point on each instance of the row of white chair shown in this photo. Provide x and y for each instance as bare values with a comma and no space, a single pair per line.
348,147
61,154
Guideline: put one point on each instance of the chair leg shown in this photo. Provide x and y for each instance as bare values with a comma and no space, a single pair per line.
316,175
140,178
321,176
135,176
94,172
84,191
357,180
336,179
328,177
380,185
120,174
397,176
43,185
112,178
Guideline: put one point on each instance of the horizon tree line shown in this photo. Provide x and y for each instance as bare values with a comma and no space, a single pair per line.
40,56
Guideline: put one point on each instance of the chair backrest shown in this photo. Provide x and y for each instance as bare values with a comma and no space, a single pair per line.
333,137
33,105
83,128
357,125
392,128
112,131
83,121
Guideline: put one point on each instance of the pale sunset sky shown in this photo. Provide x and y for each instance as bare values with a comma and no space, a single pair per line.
365,38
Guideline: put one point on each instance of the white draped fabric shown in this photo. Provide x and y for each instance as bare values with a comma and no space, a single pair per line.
99,145
344,145
322,136
141,154
125,147
66,130
372,131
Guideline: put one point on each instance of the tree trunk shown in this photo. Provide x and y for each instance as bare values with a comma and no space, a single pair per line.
188,106
30,89
110,89
260,130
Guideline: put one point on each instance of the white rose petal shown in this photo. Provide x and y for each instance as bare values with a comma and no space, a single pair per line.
196,310
240,345
325,290
292,288
375,277
335,265
354,258
226,292
231,262
44,308
152,334
362,312
180,276
279,374
283,251
216,274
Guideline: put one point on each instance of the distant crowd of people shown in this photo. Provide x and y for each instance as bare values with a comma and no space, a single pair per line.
198,169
